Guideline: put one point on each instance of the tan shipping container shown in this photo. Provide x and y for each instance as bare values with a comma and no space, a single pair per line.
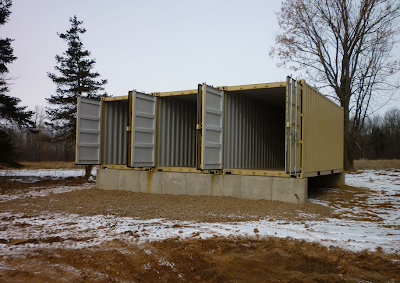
322,134
284,129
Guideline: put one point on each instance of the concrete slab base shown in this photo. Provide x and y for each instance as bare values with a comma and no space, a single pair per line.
290,190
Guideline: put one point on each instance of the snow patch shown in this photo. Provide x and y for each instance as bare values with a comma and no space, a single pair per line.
20,232
42,192
46,173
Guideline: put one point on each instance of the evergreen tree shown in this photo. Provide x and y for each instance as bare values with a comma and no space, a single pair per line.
9,109
75,78
8,155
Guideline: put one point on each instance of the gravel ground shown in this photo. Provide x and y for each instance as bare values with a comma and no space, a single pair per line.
49,258
147,206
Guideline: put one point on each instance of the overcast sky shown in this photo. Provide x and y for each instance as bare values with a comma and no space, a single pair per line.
150,46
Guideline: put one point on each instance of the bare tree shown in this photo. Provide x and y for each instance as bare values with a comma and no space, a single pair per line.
391,129
380,136
345,46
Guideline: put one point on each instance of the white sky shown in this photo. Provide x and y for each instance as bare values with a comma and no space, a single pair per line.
151,46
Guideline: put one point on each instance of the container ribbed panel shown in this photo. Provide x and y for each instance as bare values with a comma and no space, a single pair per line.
322,132
254,133
176,132
115,134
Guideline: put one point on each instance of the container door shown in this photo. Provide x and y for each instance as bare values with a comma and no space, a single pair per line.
88,131
212,128
143,130
293,127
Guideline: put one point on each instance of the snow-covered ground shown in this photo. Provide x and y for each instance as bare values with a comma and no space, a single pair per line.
30,174
42,192
382,198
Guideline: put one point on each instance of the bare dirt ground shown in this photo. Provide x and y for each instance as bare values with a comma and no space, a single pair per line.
218,259
211,260
148,206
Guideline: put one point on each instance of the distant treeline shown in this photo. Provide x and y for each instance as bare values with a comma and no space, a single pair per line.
40,144
380,137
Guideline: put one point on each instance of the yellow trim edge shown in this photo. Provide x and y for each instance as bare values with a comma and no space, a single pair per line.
178,169
114,98
173,93
252,172
253,86
322,173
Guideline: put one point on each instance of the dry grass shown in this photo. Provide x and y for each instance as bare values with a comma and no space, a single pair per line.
376,164
46,165
50,165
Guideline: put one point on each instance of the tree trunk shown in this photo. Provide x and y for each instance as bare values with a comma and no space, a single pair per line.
345,93
88,171
346,127
351,149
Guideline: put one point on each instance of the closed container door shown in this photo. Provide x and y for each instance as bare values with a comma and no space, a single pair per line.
293,127
88,131
143,131
212,128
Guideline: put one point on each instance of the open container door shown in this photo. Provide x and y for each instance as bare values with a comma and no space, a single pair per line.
293,127
88,131
143,130
212,128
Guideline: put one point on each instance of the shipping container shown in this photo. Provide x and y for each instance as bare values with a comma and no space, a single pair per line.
283,129
322,134
254,140
115,136
176,130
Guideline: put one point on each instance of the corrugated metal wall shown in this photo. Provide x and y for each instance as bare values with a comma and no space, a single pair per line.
176,132
322,132
254,133
115,134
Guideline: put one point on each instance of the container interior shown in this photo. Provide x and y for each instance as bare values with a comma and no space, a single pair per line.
115,134
177,131
254,136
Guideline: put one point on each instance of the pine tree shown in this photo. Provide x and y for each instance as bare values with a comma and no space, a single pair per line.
9,109
75,78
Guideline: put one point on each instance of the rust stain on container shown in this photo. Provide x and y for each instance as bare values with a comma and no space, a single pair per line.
149,175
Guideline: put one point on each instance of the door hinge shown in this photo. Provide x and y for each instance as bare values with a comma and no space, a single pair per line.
128,129
198,127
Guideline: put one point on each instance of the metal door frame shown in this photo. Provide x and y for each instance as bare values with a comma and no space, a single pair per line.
82,144
205,127
293,127
134,129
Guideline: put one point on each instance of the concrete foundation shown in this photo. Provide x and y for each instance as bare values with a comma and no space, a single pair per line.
290,190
